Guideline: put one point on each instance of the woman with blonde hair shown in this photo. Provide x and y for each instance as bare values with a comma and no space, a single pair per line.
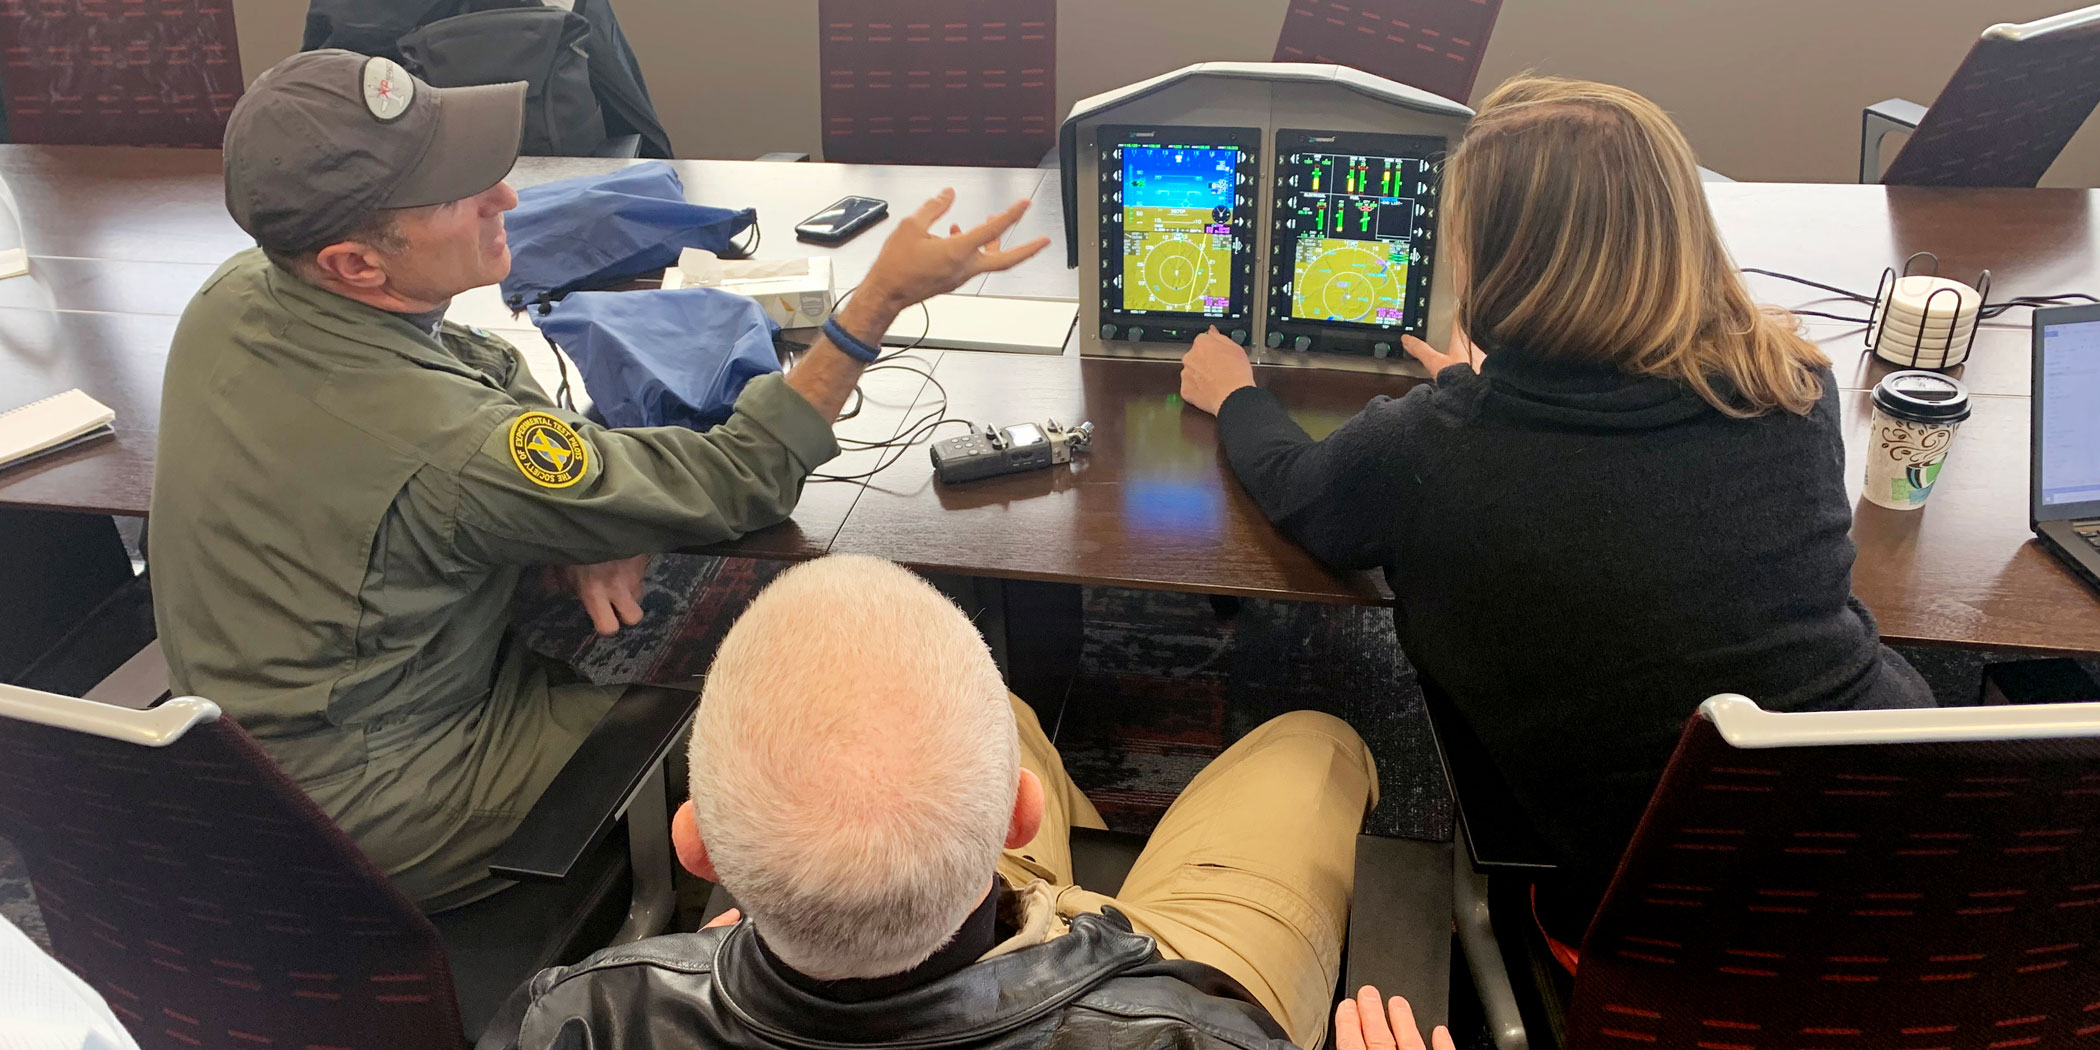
1624,494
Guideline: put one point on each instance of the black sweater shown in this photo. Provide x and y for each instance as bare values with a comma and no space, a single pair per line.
1580,558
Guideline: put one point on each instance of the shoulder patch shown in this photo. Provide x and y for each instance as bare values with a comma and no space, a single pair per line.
548,451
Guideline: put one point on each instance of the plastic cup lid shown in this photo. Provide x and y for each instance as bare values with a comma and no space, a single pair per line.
1922,397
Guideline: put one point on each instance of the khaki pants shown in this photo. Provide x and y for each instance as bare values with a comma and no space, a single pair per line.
1250,870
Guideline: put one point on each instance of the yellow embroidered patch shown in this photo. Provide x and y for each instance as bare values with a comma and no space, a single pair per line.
547,450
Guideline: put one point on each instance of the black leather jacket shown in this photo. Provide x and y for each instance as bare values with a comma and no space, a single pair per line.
1099,987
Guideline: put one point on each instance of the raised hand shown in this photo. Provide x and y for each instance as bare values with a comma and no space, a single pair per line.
915,264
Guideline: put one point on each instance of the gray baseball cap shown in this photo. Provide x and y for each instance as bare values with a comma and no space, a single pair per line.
325,138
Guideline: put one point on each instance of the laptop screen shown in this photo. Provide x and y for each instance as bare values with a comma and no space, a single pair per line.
2069,387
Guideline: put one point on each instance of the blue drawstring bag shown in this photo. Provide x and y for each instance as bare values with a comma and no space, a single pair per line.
663,358
599,230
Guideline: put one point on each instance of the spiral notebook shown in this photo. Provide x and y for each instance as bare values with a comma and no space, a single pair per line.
57,422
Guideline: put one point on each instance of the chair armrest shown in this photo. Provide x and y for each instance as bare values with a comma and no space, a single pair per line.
141,682
1498,834
784,157
1875,123
620,147
591,792
1400,924
1484,962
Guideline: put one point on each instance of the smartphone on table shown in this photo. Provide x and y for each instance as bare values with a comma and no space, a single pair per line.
842,221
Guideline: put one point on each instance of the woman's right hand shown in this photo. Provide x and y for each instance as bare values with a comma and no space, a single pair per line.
1463,352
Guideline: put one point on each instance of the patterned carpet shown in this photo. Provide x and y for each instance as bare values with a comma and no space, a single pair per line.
1165,684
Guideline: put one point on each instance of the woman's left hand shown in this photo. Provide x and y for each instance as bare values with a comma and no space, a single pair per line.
1212,369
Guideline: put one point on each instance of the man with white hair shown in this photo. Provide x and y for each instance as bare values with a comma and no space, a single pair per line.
895,827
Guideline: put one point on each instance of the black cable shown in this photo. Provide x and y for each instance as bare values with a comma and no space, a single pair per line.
1983,313
913,432
563,396
924,312
896,454
859,445
1833,289
1834,317
2036,302
909,436
745,251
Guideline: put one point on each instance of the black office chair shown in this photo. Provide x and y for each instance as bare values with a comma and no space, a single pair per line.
1522,989
257,877
573,55
2005,114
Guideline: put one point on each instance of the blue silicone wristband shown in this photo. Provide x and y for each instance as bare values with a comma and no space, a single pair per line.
854,348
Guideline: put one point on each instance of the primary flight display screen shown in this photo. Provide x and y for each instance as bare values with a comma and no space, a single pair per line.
1355,229
1177,243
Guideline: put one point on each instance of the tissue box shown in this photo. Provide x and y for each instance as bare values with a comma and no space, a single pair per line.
795,293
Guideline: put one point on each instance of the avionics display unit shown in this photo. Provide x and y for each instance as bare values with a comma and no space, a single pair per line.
1178,231
1352,248
1326,277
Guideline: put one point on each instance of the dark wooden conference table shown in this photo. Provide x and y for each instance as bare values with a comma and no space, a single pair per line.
120,238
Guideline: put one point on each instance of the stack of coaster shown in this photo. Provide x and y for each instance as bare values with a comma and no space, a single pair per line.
1926,322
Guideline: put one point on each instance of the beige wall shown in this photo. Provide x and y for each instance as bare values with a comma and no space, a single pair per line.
1766,89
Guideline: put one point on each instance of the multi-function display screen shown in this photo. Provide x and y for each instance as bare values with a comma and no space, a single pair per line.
1355,229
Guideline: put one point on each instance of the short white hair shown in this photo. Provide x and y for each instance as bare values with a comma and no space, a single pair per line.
854,766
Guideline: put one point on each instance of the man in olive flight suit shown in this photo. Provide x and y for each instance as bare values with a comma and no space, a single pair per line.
348,489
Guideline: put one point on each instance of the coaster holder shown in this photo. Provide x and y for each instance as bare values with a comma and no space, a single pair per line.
1897,352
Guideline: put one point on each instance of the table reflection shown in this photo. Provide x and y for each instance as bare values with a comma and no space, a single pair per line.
1170,470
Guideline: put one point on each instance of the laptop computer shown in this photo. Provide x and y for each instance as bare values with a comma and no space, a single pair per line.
2064,496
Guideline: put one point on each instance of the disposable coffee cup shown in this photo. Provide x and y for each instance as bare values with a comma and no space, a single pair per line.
1916,415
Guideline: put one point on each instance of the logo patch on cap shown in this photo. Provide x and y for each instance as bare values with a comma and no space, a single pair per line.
547,450
388,88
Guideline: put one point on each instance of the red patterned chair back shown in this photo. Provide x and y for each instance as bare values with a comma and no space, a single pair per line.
1927,880
1434,45
202,893
119,72
970,82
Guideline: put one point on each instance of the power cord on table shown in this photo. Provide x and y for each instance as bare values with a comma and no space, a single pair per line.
913,432
1985,312
853,404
